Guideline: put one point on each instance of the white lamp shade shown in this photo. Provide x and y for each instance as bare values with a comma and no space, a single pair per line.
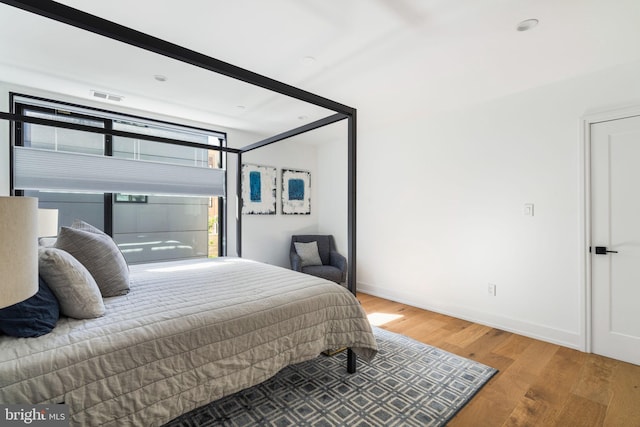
47,222
18,249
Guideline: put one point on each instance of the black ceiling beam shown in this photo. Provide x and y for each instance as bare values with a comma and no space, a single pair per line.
125,134
297,131
79,19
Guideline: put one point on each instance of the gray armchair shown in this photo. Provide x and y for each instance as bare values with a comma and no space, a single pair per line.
334,265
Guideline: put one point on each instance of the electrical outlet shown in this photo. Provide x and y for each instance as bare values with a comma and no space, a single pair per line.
491,289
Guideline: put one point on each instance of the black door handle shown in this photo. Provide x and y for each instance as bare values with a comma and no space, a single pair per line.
602,250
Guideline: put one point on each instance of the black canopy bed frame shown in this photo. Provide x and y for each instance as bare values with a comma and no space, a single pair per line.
112,30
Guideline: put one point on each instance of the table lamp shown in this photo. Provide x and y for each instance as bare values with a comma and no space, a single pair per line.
47,222
18,249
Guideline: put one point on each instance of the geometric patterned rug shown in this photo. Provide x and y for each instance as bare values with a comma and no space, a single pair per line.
408,383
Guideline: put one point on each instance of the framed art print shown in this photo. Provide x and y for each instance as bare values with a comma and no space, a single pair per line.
258,189
296,192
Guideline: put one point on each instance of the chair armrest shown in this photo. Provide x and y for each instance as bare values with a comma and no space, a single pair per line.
296,261
338,261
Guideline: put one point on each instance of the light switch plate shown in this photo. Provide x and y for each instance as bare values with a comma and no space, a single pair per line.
528,209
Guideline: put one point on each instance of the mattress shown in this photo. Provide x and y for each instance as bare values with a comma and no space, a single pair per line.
188,333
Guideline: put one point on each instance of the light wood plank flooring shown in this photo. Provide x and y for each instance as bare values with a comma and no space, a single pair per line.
539,384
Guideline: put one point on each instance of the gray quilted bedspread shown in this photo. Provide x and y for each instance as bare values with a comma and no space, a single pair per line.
188,333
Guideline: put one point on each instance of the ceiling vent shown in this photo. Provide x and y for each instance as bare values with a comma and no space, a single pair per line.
107,96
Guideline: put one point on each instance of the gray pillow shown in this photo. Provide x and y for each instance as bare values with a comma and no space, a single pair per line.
100,255
79,224
308,253
73,285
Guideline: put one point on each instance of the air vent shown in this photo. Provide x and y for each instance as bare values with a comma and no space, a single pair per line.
107,96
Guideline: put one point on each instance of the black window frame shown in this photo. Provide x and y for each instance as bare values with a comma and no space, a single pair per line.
17,139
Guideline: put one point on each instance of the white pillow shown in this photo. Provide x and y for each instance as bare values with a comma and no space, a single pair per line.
72,284
308,253
47,241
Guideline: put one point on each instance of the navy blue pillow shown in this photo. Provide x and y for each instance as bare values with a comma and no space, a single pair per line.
33,317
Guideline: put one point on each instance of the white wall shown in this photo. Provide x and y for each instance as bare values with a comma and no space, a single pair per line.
440,206
5,136
267,238
331,193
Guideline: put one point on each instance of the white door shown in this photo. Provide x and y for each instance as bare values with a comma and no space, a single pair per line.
615,226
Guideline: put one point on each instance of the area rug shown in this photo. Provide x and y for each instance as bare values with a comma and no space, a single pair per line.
407,384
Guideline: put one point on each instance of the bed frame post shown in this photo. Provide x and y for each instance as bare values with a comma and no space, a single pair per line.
351,361
351,221
351,203
239,206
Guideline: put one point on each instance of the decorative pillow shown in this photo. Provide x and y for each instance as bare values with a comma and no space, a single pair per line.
47,241
79,224
33,317
308,253
100,255
71,282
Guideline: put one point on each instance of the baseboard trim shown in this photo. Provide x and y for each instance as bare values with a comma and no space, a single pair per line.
531,330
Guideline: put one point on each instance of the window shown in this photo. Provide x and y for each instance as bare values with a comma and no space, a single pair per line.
130,198
166,223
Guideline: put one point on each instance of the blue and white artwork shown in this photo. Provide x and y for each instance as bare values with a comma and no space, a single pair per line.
259,189
255,186
296,189
296,192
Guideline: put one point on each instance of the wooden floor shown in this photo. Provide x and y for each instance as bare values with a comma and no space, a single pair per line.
539,384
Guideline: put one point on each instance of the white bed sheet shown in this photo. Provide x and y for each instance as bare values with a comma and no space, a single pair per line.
189,332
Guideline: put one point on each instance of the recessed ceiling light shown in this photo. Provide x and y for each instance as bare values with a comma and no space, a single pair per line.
160,78
303,117
308,60
241,107
527,24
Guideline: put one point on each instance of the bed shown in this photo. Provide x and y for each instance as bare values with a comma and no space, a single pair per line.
187,333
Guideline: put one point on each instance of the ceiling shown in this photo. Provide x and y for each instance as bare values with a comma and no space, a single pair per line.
387,58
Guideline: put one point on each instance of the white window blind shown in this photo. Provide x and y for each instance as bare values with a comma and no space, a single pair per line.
37,169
